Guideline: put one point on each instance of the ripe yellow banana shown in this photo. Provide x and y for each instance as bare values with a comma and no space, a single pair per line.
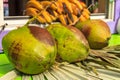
53,18
68,5
66,11
83,4
87,11
55,14
51,14
46,15
76,10
69,20
82,18
63,19
75,19
31,11
85,14
41,19
34,4
59,5
77,3
46,3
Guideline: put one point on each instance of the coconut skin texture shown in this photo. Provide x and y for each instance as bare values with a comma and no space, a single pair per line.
70,45
97,33
30,49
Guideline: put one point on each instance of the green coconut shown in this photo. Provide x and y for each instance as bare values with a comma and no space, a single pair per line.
96,31
72,46
30,49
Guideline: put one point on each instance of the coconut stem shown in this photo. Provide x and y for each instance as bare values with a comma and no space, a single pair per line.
3,27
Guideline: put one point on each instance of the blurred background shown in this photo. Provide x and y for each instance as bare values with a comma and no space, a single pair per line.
17,7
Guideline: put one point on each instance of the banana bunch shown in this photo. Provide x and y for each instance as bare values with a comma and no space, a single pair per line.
67,12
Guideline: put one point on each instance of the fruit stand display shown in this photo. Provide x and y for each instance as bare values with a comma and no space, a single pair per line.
65,44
